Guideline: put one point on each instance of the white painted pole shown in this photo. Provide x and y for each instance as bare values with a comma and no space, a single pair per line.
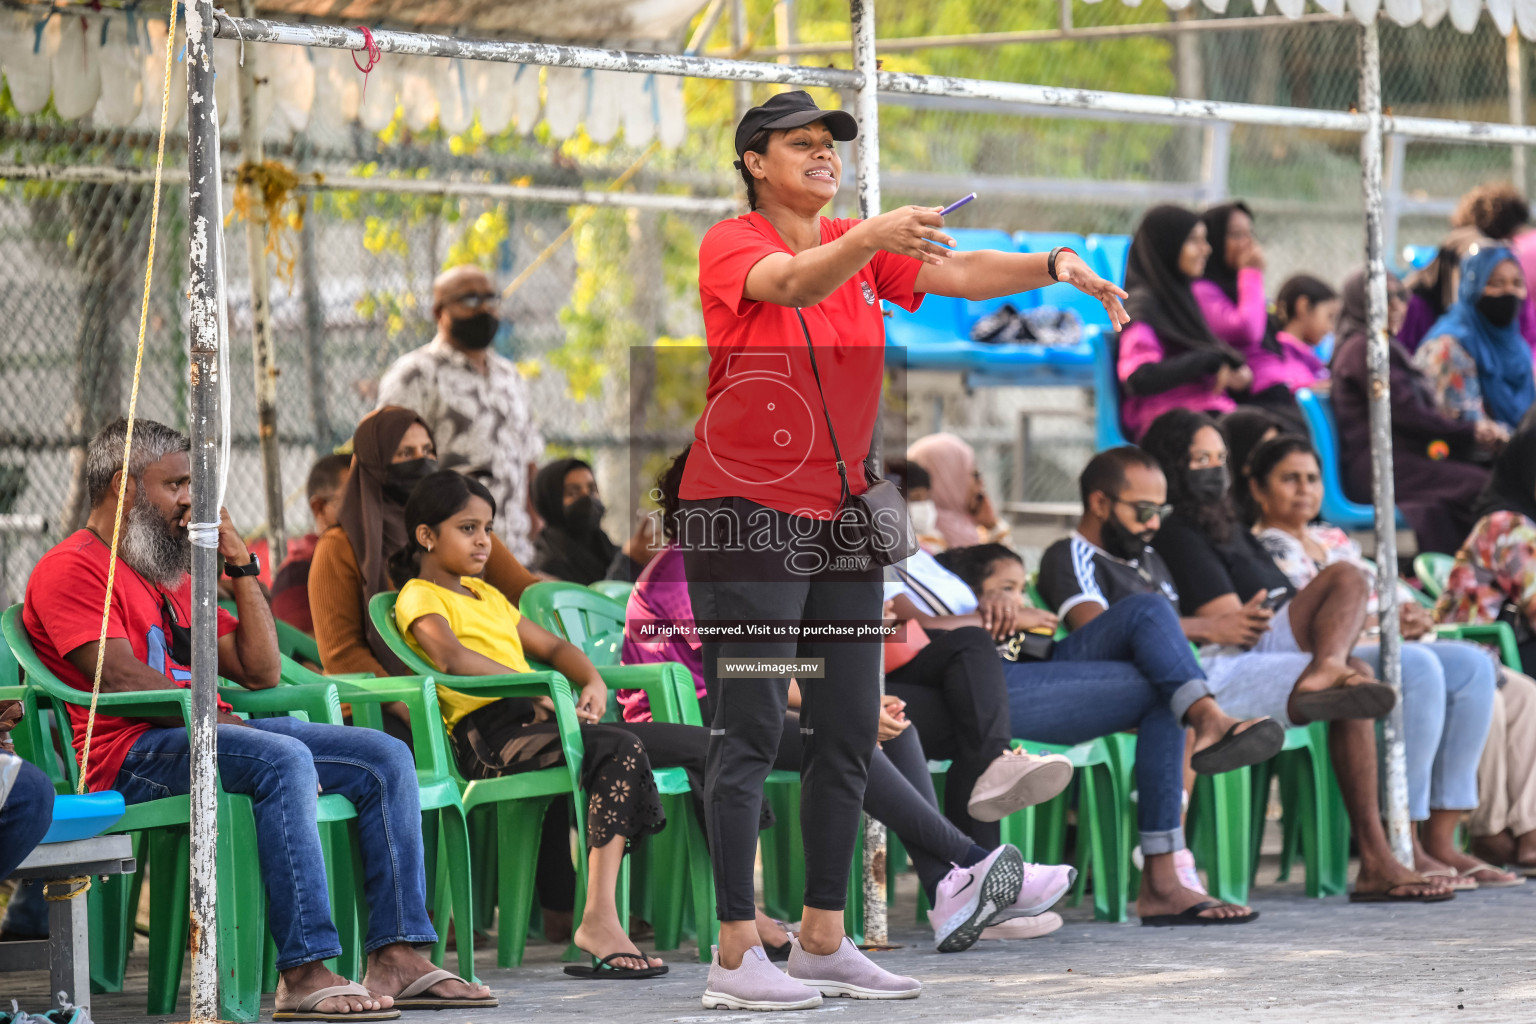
1381,442
263,353
866,109
205,300
1514,65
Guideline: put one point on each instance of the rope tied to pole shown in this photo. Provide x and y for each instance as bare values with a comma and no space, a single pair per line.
133,403
374,52
79,886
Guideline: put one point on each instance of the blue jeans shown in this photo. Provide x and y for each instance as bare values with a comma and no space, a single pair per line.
1075,701
282,763
26,814
1143,630
1448,689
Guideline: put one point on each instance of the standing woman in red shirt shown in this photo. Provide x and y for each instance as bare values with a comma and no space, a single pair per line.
767,569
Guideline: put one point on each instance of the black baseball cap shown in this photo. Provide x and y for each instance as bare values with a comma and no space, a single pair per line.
791,110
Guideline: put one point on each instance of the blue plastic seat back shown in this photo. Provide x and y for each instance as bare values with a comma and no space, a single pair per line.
971,239
1108,432
1063,296
1107,255
84,816
1417,257
1337,509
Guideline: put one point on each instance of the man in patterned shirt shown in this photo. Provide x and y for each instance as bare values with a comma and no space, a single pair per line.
473,400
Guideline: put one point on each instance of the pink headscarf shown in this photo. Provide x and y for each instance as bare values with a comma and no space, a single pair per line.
951,466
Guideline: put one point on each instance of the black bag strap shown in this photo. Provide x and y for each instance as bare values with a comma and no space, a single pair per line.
842,469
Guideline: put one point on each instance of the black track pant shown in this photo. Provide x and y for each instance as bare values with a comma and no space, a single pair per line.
748,565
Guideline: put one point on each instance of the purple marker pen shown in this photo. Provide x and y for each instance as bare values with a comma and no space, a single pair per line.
952,207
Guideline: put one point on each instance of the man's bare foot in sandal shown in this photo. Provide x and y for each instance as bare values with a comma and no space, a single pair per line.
392,969
294,984
1437,841
600,938
1161,894
1222,743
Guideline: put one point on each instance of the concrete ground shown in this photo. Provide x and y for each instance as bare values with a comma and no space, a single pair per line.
1471,960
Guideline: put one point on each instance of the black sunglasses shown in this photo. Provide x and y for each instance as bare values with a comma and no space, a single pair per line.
1146,511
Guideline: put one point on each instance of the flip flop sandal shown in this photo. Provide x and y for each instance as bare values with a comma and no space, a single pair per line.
413,996
1360,700
1259,742
306,1008
603,970
1453,878
1393,896
1191,916
1484,866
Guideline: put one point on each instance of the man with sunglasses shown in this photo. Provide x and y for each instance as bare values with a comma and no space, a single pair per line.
473,400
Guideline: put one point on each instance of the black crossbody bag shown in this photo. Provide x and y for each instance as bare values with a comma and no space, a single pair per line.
874,523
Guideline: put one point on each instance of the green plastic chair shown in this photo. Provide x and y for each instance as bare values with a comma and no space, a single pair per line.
517,802
291,641
1220,829
1433,568
1496,634
1314,822
618,590
161,831
684,876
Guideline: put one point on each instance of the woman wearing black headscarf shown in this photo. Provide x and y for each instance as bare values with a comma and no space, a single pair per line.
1435,481
1494,577
572,545
1169,358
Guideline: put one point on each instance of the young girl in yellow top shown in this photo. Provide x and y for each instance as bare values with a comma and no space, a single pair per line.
466,627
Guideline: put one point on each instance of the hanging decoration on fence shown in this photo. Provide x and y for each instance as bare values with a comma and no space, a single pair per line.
107,67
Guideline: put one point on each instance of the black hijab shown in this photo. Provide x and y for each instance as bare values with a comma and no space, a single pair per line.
1159,290
575,552
1217,270
1512,487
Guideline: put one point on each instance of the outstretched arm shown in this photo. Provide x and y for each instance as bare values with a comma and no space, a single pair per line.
990,274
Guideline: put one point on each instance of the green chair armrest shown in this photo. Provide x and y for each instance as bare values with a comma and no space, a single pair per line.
174,700
659,683
316,700
419,695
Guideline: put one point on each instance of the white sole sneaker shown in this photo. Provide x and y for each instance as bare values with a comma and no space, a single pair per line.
721,1001
842,989
1041,781
1049,901
997,891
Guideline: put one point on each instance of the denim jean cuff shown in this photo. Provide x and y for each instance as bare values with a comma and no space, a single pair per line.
1186,695
428,939
290,963
1154,843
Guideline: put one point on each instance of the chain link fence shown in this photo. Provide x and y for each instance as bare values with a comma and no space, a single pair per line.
357,291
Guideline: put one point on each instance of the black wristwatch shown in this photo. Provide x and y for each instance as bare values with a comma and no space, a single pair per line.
251,568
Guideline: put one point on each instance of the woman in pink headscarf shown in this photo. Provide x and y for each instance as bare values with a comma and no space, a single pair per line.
965,512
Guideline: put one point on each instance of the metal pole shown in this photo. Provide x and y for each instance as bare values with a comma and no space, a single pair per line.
314,337
1381,442
204,299
263,355
866,109
784,27
1514,61
742,91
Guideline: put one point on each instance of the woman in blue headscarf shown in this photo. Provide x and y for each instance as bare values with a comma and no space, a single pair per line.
1476,358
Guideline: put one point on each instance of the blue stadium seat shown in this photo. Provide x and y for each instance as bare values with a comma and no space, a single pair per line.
1337,509
1107,255
1417,257
1063,296
971,239
1106,393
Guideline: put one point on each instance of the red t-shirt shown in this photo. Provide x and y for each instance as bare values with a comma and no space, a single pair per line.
763,435
63,611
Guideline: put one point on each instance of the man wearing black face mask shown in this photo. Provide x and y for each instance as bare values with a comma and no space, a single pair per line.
474,401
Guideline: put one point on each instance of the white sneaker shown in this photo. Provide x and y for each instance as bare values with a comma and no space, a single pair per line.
967,899
755,985
1018,927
